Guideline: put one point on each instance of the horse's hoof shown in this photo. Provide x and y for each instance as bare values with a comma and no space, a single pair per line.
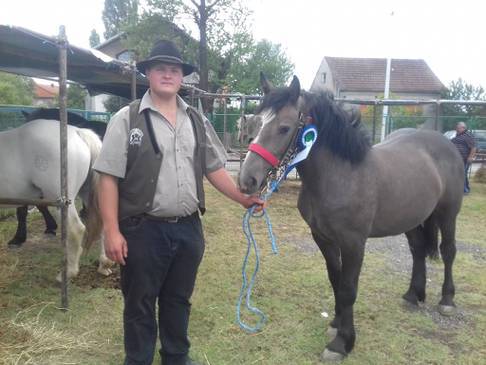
14,245
50,232
331,332
328,355
105,271
447,310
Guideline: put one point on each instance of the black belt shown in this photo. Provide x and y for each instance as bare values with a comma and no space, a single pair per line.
171,219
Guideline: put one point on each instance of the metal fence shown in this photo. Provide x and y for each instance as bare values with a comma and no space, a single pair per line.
11,115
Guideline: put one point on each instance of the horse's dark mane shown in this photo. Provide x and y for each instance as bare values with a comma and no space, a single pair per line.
275,100
339,129
53,113
73,119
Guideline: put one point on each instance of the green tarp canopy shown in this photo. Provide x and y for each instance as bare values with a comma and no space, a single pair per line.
28,53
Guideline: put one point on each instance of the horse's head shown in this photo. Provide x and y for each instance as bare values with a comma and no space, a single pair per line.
279,114
248,127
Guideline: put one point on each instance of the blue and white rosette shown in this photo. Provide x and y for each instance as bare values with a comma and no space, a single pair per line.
307,139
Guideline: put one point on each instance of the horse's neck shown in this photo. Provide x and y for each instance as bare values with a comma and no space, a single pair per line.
323,170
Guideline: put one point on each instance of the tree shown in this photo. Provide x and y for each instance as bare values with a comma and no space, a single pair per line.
17,90
460,90
76,96
244,74
118,14
94,38
114,103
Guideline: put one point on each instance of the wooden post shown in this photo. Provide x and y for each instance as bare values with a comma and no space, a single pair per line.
133,81
242,114
225,120
64,166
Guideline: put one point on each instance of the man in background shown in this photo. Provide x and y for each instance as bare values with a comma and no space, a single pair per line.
464,141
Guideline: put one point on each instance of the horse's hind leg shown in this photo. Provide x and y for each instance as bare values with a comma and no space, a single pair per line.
416,241
21,233
51,225
74,242
105,265
447,227
332,256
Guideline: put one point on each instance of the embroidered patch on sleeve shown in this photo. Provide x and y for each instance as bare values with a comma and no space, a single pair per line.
135,137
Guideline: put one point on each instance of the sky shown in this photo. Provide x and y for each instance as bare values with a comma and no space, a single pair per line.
450,36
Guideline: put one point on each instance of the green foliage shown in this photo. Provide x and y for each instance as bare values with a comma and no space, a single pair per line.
16,90
244,74
460,90
94,38
76,96
115,103
234,57
118,14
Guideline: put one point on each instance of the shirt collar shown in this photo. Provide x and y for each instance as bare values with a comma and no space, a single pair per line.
147,103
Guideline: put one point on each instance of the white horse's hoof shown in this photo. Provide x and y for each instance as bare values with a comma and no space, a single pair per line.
69,276
447,310
105,271
328,355
331,332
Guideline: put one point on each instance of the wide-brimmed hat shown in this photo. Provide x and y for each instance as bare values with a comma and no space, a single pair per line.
167,52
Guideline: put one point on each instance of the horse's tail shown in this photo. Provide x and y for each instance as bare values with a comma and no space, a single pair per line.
431,235
93,221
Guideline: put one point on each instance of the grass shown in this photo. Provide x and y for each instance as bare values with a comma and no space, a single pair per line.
292,290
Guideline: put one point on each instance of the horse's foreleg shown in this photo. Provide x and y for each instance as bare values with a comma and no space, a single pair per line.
332,256
416,290
104,267
51,225
448,253
352,260
21,234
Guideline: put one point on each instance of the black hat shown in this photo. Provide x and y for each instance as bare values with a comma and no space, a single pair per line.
165,51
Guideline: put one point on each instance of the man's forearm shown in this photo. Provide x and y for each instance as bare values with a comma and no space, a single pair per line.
472,153
223,182
108,201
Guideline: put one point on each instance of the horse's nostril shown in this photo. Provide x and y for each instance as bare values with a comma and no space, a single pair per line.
252,182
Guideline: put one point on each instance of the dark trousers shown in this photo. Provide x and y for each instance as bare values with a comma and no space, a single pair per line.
161,266
467,165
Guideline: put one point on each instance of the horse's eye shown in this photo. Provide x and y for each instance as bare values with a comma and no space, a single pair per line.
283,130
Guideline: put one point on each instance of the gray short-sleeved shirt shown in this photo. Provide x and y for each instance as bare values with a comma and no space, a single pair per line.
176,193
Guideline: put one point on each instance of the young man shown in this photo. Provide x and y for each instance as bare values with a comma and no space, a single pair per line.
154,156
466,146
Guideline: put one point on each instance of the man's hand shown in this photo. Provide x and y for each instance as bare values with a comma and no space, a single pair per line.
249,200
116,247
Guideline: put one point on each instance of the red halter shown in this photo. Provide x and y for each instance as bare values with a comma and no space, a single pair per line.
264,153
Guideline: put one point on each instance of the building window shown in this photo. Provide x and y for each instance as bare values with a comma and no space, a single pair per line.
323,77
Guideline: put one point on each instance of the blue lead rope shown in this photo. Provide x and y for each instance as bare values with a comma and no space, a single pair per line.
248,286
306,140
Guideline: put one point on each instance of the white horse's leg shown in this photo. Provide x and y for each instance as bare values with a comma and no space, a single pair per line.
106,264
74,242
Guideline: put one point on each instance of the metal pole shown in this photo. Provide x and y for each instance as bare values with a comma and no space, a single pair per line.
374,124
437,114
387,93
64,165
242,114
133,81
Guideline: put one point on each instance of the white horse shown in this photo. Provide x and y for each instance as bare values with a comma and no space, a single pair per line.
248,127
30,169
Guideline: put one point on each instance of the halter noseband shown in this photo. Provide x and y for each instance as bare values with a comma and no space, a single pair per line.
269,156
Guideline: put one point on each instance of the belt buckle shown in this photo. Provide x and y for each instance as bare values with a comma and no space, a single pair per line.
173,220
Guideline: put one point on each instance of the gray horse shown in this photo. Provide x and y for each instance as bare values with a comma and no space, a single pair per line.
248,127
411,183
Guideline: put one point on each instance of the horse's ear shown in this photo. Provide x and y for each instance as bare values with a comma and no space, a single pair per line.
265,84
294,89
